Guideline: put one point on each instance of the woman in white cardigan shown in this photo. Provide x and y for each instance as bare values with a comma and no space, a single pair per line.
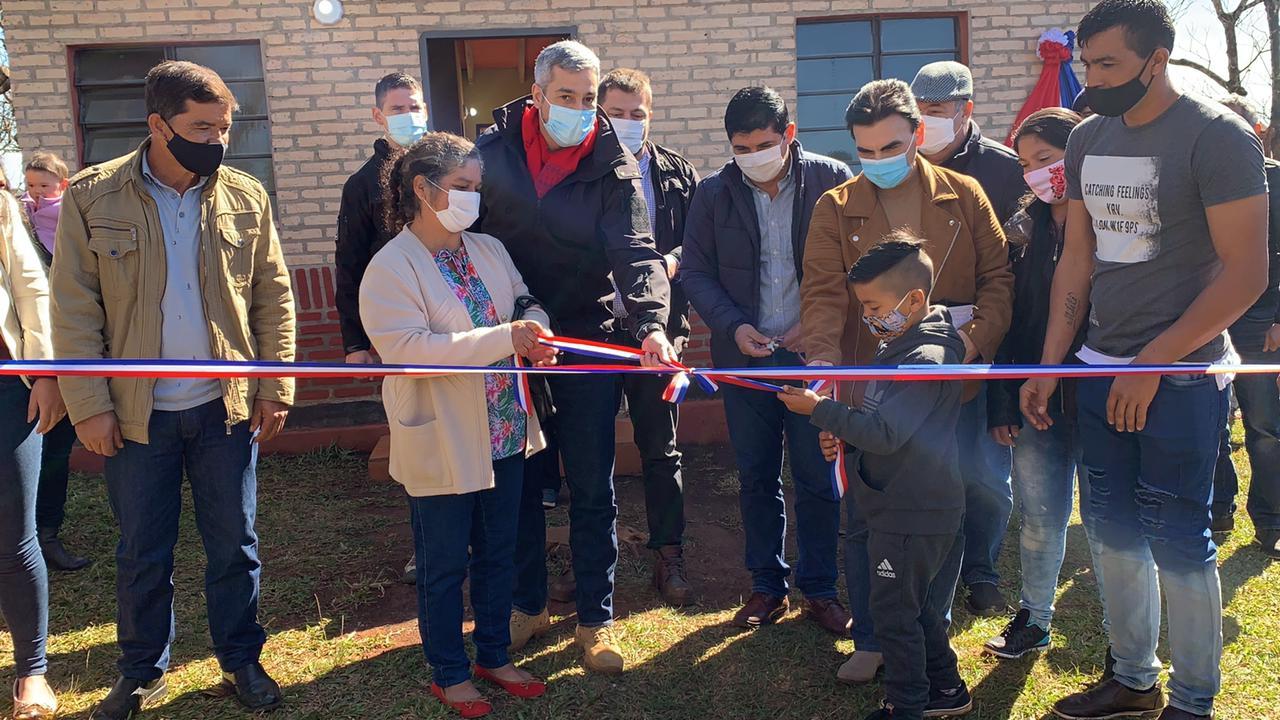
27,411
439,295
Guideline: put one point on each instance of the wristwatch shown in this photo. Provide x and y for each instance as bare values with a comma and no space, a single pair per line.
647,328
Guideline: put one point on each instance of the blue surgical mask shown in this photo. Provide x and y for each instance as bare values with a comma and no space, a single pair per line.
407,128
887,173
569,127
888,327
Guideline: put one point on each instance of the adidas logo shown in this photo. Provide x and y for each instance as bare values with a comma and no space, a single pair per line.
885,570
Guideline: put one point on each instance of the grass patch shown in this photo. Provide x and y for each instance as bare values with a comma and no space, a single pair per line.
343,637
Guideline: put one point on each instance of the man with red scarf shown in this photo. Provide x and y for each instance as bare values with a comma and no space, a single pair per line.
564,197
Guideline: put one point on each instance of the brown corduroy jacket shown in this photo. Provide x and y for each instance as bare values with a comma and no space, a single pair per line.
962,236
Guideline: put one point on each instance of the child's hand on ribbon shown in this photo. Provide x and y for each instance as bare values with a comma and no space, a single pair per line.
800,401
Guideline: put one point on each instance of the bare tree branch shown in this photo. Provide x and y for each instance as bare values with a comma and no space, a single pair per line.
1204,70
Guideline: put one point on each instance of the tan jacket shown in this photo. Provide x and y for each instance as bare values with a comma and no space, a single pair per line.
24,289
963,238
440,441
109,278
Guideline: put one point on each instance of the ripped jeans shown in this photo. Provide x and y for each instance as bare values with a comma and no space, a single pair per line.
1150,497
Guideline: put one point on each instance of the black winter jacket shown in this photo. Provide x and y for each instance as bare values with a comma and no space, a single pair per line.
566,243
995,167
1034,246
362,231
674,185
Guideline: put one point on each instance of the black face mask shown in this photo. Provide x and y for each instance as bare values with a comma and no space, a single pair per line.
1116,101
203,159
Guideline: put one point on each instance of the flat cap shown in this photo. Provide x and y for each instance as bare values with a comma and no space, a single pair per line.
943,81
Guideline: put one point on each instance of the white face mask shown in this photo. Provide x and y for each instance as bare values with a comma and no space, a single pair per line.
463,210
630,133
762,165
938,134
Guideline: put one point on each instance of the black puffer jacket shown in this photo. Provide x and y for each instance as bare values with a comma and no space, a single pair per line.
566,243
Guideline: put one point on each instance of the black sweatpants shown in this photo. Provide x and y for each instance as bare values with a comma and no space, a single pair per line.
912,637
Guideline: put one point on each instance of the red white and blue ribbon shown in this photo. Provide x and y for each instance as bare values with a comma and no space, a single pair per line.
523,395
839,473
675,390
760,378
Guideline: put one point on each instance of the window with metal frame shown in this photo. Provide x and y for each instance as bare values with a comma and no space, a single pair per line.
836,57
112,116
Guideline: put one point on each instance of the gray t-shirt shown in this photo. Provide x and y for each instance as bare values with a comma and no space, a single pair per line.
1146,189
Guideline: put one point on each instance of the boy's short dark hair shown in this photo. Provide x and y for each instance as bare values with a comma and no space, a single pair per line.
48,162
626,80
755,108
391,82
880,99
901,258
172,83
1147,24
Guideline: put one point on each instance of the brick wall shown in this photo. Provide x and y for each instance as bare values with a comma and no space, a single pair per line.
320,79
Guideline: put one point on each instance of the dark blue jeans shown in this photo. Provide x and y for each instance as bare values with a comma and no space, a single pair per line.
24,582
1149,495
55,468
986,466
144,485
456,535
758,426
586,408
1260,405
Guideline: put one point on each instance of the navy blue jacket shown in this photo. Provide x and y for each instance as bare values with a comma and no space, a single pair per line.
721,264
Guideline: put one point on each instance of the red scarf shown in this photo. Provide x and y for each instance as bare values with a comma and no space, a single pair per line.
549,167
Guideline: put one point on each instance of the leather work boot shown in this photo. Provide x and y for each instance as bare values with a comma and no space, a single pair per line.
668,576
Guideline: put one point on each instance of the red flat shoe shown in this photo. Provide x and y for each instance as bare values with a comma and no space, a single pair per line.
467,708
526,690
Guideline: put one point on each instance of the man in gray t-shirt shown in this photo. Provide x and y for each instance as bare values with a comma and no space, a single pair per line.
1166,239
1146,189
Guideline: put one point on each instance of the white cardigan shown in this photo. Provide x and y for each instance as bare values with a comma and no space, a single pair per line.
24,290
440,442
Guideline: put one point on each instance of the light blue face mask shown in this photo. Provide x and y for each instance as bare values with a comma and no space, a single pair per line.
406,128
569,127
887,173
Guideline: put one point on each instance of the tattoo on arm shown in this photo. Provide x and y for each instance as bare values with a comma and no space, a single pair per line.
1072,310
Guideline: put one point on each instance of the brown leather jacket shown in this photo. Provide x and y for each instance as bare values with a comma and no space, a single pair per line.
963,238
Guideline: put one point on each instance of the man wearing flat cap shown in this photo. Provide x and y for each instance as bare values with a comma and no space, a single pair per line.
944,94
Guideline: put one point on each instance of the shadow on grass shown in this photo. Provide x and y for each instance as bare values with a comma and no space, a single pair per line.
324,544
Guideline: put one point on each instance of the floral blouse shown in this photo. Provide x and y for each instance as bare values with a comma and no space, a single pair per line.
507,422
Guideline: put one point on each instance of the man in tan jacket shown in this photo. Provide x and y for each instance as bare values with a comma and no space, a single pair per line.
900,189
165,253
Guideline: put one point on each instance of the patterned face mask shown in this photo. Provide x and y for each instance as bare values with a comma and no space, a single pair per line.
889,326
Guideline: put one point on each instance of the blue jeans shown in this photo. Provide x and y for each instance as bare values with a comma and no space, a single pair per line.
586,409
55,469
24,582
144,485
758,424
1150,496
1260,405
985,466
1045,464
444,527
